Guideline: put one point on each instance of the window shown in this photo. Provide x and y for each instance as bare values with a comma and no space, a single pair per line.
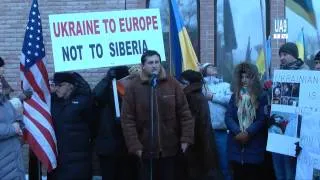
189,12
239,33
310,31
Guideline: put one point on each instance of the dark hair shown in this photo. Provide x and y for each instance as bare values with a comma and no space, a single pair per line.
192,76
149,53
317,57
204,71
1,62
255,88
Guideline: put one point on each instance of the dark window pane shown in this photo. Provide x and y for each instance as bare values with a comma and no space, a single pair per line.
188,9
239,34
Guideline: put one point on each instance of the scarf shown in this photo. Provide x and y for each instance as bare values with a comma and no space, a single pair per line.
246,110
213,79
293,65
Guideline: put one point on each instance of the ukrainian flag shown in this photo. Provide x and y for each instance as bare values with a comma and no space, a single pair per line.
261,60
182,52
303,8
300,45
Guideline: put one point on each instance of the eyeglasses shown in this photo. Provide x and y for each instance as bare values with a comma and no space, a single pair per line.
317,61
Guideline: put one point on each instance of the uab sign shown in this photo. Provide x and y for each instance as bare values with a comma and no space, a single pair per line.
280,29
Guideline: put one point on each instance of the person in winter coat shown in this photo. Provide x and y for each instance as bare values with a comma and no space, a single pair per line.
289,58
218,95
317,62
71,110
245,120
201,156
285,166
156,141
6,88
115,162
11,158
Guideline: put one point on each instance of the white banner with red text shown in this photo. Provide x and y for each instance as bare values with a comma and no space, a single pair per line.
104,39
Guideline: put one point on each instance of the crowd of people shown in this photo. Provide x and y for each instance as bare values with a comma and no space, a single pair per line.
194,127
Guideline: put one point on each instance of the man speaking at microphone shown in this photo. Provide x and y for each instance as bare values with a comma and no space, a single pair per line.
156,120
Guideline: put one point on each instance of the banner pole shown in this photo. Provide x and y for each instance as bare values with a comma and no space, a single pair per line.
34,166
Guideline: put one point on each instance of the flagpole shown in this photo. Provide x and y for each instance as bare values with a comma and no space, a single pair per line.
264,44
170,53
303,41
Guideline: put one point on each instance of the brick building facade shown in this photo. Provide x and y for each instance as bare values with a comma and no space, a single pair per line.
15,14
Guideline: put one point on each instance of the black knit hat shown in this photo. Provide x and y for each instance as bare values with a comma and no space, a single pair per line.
191,76
317,57
1,62
63,77
289,48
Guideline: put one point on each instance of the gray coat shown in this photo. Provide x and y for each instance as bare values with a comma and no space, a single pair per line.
11,161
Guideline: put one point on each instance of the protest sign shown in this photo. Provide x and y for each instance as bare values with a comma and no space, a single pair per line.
296,107
104,39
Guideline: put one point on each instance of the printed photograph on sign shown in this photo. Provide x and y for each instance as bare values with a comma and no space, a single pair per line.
286,94
284,123
316,174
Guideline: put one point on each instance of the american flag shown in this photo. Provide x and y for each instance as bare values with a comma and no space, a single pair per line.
39,131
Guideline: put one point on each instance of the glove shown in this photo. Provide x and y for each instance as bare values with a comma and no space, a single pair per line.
111,74
271,120
25,95
298,148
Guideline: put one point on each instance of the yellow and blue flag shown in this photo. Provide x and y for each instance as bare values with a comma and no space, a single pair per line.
303,8
263,60
300,45
182,52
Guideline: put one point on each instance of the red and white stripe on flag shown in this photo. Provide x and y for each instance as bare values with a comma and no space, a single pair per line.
39,131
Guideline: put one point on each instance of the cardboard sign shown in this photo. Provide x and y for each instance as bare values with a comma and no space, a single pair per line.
104,39
296,104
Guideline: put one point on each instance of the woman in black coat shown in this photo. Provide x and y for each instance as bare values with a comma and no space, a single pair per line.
71,111
115,162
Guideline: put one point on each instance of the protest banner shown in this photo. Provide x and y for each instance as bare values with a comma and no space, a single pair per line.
104,39
296,107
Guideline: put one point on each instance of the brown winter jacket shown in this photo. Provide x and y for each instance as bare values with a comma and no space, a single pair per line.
173,123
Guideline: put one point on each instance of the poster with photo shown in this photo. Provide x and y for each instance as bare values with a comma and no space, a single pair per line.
296,111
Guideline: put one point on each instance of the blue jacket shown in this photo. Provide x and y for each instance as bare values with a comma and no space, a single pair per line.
253,151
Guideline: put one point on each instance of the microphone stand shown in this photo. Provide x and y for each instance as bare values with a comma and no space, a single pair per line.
153,84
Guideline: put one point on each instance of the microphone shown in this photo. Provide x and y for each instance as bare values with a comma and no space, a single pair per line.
154,79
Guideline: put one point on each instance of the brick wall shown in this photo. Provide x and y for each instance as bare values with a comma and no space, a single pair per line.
277,11
207,31
14,16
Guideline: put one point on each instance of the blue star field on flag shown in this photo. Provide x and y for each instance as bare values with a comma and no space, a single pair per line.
33,47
